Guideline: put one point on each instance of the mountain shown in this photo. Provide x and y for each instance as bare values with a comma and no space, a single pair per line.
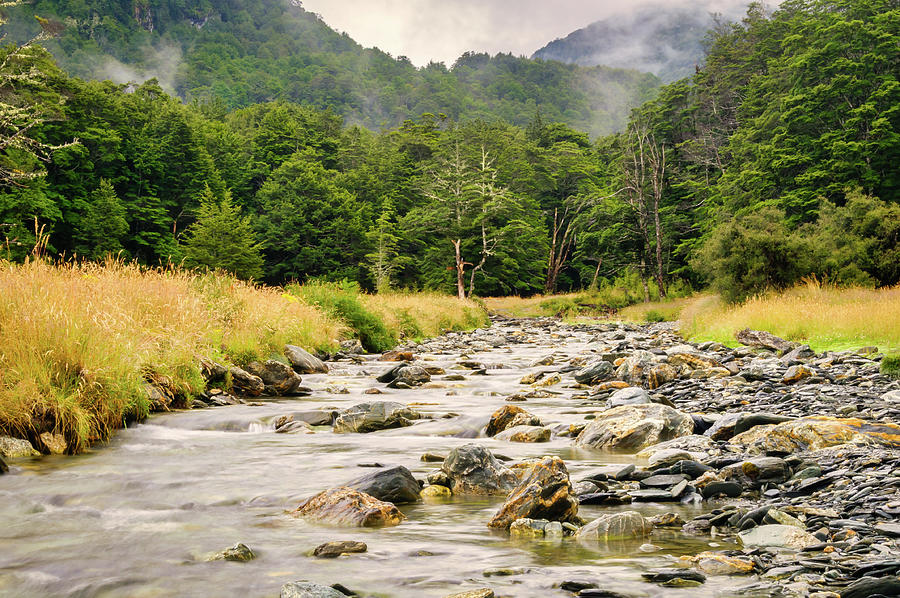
237,53
662,39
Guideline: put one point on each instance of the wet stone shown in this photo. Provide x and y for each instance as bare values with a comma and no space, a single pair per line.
331,550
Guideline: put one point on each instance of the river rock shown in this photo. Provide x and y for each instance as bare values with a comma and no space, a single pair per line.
747,421
633,395
598,371
15,448
409,376
693,361
525,434
777,536
349,507
4,468
54,443
305,589
867,587
717,563
397,356
636,368
544,493
332,550
698,446
239,553
634,427
723,428
246,383
472,469
754,473
303,362
796,373
395,484
507,417
626,525
374,416
763,340
661,374
815,433
279,378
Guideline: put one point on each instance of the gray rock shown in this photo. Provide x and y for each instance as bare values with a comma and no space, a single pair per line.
410,375
723,428
472,469
332,550
753,473
305,589
374,416
15,448
395,484
239,553
304,362
598,371
751,420
632,395
777,536
633,427
246,383
279,378
626,525
525,434
762,339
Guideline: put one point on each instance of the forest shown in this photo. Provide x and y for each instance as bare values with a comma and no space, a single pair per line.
774,162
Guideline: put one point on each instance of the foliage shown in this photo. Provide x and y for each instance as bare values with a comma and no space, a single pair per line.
222,239
890,365
341,300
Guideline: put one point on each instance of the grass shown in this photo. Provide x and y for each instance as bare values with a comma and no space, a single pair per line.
822,316
79,341
890,365
656,311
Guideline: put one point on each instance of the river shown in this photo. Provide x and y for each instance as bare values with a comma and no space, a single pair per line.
136,517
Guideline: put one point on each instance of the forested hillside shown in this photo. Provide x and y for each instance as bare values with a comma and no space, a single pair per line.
243,53
777,160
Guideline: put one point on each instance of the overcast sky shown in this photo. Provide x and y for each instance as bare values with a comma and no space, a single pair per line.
441,30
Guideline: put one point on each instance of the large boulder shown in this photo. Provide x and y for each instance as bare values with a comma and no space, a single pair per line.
763,340
544,493
472,469
304,362
305,589
627,525
815,433
374,416
507,417
245,383
395,484
633,427
661,374
598,371
279,378
349,507
633,395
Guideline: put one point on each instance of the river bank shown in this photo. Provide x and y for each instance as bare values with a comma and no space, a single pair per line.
90,348
728,507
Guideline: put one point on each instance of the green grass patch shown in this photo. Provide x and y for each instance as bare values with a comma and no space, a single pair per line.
890,365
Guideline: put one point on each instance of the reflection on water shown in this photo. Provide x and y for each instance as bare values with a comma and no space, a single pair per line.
135,518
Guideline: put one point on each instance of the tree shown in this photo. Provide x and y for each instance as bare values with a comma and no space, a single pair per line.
222,239
103,225
384,260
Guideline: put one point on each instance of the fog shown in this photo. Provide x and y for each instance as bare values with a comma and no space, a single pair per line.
441,30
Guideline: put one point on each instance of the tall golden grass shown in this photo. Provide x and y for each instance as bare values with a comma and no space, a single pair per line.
425,314
820,315
78,341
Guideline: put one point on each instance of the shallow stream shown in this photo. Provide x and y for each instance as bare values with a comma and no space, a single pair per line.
136,517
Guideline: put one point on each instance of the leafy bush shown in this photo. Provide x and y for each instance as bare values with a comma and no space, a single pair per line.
342,300
655,316
890,365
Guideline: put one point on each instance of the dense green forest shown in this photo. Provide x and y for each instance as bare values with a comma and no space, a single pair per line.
244,53
776,160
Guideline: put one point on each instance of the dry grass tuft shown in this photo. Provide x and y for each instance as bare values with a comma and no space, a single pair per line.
825,317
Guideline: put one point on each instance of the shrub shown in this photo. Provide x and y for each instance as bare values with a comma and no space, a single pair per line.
654,316
890,365
342,300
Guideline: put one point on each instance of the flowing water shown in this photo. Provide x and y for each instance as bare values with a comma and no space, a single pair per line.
136,517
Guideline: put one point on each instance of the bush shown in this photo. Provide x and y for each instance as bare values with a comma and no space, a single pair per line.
342,300
890,365
655,316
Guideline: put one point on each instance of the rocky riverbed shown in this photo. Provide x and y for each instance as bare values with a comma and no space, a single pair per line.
532,458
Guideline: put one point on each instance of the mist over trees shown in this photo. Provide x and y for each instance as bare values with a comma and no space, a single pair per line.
775,161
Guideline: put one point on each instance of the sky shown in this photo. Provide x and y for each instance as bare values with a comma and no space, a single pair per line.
441,30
